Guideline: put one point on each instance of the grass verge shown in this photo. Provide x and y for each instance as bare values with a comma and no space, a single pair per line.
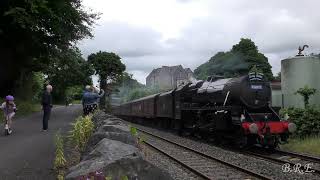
308,145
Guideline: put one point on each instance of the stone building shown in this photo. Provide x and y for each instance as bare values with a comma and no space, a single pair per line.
169,77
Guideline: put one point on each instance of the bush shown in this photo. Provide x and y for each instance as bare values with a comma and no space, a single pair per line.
74,93
307,120
82,131
29,87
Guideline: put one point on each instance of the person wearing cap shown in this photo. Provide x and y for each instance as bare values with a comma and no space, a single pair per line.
46,106
9,109
90,100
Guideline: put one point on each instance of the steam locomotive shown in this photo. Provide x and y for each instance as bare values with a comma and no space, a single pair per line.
235,109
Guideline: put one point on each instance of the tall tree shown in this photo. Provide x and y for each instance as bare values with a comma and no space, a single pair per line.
110,69
34,31
68,69
236,62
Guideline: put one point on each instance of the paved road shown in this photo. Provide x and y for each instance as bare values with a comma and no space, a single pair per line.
28,153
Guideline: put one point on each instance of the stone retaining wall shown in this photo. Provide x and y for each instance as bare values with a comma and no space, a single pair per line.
113,152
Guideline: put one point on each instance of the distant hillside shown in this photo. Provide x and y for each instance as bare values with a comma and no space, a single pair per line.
238,61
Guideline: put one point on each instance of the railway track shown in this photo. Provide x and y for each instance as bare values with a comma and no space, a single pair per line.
291,158
299,155
201,164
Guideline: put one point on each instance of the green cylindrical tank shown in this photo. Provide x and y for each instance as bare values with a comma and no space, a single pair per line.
296,73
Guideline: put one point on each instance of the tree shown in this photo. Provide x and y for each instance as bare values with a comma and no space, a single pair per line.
110,69
236,62
127,84
306,92
32,32
67,70
278,77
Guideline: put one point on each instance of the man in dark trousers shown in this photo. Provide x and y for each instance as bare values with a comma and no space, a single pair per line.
46,106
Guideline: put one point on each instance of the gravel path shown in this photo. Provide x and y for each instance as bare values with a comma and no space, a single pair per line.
258,165
28,153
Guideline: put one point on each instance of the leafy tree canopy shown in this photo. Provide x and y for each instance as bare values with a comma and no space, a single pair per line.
68,69
236,62
34,31
110,69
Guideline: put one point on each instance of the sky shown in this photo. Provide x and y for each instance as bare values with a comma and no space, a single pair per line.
148,34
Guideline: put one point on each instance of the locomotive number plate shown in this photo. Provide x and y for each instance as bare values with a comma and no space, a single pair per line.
256,86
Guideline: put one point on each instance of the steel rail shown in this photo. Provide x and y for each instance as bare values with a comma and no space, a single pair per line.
279,161
178,161
247,171
303,156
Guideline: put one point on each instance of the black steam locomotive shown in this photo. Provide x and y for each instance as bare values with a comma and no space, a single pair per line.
236,109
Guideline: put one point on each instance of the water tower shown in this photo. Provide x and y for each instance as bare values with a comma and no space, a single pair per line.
297,72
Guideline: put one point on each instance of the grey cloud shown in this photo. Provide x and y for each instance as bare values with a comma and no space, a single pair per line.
123,39
277,28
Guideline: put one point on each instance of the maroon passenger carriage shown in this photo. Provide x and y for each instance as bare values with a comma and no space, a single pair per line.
236,109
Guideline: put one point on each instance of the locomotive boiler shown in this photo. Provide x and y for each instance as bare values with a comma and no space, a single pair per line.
234,109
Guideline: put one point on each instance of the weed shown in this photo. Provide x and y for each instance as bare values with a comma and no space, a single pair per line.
59,161
82,131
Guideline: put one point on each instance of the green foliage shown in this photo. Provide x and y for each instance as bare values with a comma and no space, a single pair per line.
309,145
306,92
34,32
126,86
107,65
307,120
68,70
74,93
278,77
124,178
29,87
60,176
82,131
133,131
108,178
110,69
59,161
236,62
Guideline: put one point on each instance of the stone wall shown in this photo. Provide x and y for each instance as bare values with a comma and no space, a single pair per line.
113,152
169,77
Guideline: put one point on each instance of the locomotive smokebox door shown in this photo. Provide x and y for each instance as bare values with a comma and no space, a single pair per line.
222,120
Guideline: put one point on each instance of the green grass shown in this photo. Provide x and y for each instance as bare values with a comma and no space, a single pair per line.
309,145
76,102
24,108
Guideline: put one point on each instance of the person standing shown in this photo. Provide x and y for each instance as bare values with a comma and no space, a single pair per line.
90,100
46,106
